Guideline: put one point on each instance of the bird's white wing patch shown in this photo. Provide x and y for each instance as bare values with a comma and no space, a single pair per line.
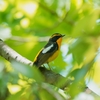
47,48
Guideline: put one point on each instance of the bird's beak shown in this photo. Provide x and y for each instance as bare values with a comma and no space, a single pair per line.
63,35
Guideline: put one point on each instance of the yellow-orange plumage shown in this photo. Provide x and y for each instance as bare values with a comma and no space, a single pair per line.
50,50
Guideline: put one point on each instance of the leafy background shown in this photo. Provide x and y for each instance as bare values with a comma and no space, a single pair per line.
26,25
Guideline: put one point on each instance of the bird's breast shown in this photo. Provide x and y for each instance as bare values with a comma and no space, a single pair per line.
53,56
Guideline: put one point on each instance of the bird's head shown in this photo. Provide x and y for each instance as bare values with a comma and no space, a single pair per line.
56,37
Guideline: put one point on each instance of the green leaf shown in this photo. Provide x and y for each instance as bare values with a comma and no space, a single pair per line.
47,91
79,75
78,49
85,25
44,95
30,72
16,96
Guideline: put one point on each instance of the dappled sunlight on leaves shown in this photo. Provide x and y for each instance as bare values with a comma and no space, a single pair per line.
26,25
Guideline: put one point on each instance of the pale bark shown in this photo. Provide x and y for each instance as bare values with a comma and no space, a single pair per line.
10,55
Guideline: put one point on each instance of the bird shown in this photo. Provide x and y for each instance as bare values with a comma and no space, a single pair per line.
50,51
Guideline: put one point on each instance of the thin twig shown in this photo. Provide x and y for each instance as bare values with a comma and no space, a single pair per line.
56,24
54,13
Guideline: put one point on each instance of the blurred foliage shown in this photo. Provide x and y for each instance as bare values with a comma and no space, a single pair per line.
25,26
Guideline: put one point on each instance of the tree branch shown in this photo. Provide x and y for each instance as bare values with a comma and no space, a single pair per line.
45,7
9,54
50,76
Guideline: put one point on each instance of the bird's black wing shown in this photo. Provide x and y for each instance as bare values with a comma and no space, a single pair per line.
45,53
